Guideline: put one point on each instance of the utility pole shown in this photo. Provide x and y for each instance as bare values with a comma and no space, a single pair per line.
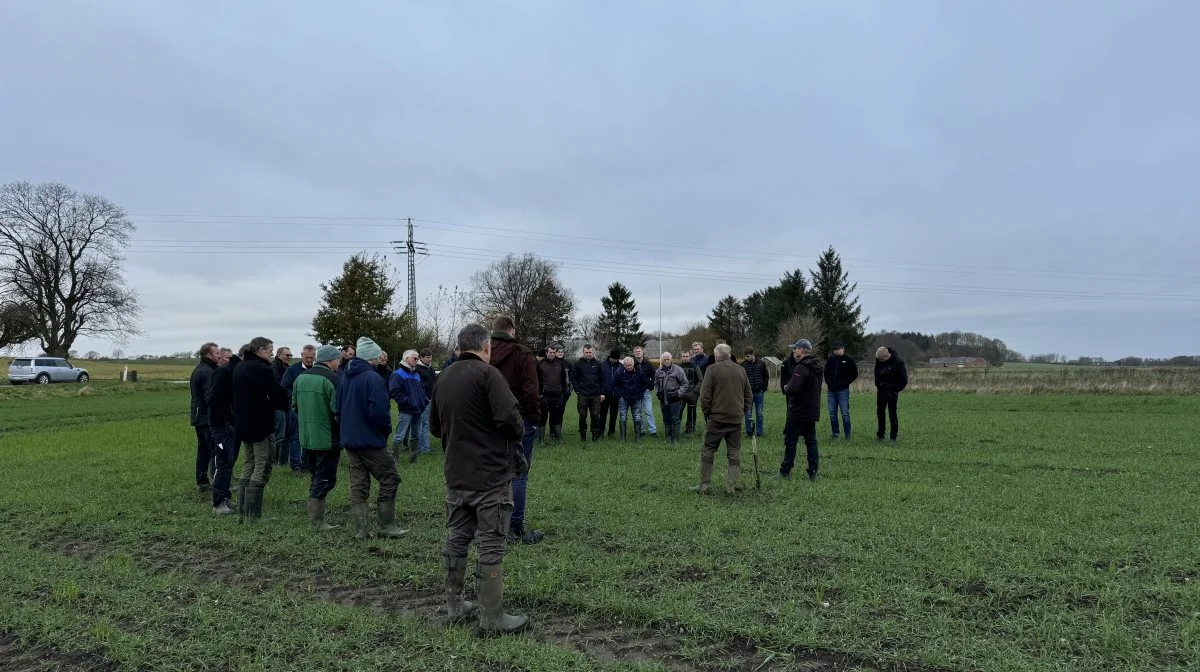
412,248
660,343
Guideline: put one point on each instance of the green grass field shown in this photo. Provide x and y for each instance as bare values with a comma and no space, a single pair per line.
1004,532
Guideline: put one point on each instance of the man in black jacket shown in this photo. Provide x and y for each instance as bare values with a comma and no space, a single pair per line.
891,377
695,379
199,383
553,387
588,382
803,409
840,372
646,368
477,417
756,372
257,396
220,422
610,407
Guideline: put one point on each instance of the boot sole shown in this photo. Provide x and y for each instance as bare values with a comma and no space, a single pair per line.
488,634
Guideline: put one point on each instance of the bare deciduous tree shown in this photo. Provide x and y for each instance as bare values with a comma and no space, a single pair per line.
442,316
60,253
527,289
796,327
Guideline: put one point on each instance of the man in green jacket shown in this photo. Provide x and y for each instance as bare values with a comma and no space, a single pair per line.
725,397
313,401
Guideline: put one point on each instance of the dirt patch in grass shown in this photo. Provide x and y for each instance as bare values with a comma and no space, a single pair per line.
602,640
15,657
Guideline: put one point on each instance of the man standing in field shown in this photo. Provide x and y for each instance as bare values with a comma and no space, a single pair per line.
279,366
225,441
840,372
610,406
223,356
313,403
383,369
891,377
308,355
406,389
646,369
588,379
695,378
803,394
519,367
365,422
671,384
724,397
200,382
257,398
477,417
428,378
698,357
553,384
628,388
756,372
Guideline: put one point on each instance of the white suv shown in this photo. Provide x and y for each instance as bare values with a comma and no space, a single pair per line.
45,370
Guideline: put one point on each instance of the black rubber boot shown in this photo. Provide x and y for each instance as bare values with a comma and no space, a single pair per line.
459,610
241,498
492,619
254,502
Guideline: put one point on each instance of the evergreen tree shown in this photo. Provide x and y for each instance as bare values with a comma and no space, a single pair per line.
619,323
835,305
767,310
360,302
550,316
728,320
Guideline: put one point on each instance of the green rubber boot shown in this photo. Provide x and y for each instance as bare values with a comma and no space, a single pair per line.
316,513
460,610
361,528
387,521
492,619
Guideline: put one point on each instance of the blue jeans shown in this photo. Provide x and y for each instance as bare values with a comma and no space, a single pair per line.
423,430
757,427
623,409
648,412
517,523
405,422
839,400
293,441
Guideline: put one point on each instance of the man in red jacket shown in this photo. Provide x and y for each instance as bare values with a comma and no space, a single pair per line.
519,368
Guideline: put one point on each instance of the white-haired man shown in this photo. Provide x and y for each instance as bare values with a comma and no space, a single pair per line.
891,377
724,397
671,383
406,389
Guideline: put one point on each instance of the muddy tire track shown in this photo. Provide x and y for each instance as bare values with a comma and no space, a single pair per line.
603,641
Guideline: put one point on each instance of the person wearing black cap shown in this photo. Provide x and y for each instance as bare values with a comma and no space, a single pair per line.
840,372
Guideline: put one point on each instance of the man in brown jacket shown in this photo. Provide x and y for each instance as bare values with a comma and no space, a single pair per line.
724,397
475,414
519,368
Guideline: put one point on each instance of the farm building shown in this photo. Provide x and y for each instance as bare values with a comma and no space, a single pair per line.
957,361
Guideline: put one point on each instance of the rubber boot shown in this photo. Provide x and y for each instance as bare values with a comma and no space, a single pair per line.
459,610
731,477
361,528
541,436
622,433
241,498
492,619
637,432
254,502
706,470
556,434
316,513
387,521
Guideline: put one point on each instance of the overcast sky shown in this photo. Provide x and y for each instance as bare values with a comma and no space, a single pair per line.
1025,170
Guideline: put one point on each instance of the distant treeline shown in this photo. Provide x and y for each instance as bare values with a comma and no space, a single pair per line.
917,348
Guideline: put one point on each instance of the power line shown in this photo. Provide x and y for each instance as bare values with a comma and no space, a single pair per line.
592,241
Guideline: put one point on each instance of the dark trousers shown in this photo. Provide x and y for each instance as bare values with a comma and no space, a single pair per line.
690,424
204,453
886,400
281,444
226,449
791,437
671,412
295,455
478,515
519,483
608,413
366,464
553,406
323,465
589,407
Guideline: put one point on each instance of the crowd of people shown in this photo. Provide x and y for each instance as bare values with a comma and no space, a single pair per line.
492,401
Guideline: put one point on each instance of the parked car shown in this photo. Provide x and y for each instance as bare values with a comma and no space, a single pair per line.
45,370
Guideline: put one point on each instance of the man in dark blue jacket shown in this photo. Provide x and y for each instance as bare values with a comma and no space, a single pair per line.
407,390
629,386
365,422
609,407
225,441
840,372
308,356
